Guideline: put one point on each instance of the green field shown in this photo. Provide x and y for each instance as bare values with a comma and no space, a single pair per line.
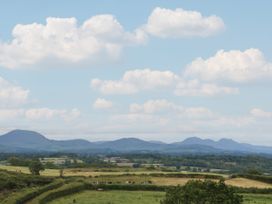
257,198
112,197
141,187
136,197
137,177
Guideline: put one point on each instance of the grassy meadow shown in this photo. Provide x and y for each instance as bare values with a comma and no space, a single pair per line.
74,178
257,199
136,197
140,176
112,197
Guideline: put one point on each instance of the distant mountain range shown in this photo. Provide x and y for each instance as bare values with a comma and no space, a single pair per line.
23,141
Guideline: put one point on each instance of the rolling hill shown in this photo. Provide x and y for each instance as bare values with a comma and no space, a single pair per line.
30,141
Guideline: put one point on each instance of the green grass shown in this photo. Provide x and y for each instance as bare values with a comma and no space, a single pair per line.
257,198
112,197
136,197
100,171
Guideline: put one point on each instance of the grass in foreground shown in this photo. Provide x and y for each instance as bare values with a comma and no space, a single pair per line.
112,197
136,197
257,198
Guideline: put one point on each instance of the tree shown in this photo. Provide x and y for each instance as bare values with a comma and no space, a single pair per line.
15,161
35,167
254,172
202,192
61,172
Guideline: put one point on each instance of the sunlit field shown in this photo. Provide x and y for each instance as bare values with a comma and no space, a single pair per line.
136,197
113,197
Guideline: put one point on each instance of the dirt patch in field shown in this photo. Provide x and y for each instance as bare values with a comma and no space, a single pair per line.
247,183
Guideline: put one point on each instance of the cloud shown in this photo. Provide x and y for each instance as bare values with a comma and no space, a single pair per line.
196,88
163,106
234,65
259,113
134,81
180,23
62,39
8,114
33,114
102,103
153,106
47,113
98,38
12,95
138,80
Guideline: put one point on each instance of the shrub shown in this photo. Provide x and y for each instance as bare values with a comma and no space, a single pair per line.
13,180
202,192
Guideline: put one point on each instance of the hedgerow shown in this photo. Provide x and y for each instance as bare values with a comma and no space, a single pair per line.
38,191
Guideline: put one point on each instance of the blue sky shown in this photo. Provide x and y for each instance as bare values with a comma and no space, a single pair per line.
157,70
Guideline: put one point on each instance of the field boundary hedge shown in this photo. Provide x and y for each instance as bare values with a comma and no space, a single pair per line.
171,175
70,189
31,195
197,176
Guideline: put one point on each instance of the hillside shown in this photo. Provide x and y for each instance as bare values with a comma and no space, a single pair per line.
30,141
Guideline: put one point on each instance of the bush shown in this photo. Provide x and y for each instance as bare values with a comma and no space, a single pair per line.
13,180
35,166
202,192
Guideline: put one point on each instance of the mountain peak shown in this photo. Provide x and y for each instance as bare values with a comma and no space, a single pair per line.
197,140
24,134
24,138
192,139
227,140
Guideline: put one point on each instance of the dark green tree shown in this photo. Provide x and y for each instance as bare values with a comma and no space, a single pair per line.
35,167
202,192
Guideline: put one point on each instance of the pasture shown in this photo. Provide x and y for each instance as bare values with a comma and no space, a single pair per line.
112,197
110,187
257,198
137,177
136,197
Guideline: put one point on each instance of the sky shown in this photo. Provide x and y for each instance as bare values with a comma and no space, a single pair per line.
155,70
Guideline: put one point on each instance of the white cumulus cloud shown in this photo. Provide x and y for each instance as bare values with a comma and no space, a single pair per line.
163,106
62,39
33,114
234,65
102,103
47,113
12,95
196,88
153,106
134,81
180,23
259,113
97,38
